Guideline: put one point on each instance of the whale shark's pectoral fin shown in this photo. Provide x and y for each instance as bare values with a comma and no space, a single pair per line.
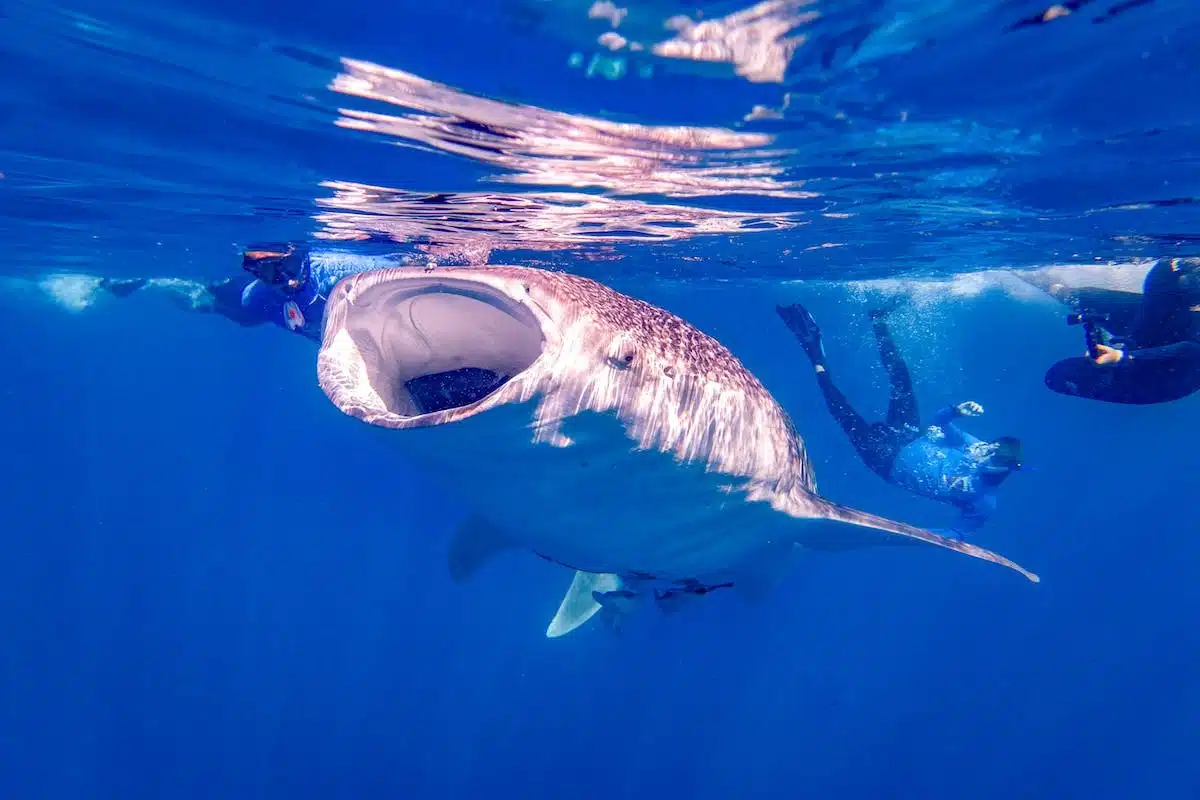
868,529
581,602
475,543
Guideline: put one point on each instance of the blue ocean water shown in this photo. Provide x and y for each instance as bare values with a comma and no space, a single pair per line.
214,585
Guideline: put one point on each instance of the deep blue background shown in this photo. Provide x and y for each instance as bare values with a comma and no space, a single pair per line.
212,585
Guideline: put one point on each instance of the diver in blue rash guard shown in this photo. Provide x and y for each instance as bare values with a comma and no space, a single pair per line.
287,285
942,462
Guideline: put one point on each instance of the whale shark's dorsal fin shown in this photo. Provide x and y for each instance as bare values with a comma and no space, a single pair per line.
474,543
580,604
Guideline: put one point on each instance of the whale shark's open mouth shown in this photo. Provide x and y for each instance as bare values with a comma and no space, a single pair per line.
437,344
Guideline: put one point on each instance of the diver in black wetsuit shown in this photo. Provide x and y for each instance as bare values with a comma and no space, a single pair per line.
1142,349
942,462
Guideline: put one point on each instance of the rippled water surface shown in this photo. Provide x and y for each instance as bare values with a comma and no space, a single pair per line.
770,140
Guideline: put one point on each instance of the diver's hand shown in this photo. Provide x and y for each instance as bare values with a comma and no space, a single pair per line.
1106,355
969,409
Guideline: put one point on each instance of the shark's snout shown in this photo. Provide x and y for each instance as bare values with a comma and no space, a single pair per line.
425,345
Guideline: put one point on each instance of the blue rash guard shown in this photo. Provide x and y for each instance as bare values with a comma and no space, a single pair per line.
943,469
263,303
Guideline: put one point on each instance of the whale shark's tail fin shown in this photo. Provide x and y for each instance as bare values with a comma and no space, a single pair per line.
867,533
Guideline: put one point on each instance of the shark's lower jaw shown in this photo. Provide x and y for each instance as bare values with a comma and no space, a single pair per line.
434,345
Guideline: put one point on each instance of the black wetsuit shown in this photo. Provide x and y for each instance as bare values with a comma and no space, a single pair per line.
878,443
1159,331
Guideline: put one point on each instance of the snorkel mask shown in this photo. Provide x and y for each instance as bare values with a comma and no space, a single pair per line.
1008,453
999,457
284,267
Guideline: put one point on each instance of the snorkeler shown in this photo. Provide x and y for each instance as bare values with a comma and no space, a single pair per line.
942,462
284,284
1141,348
287,285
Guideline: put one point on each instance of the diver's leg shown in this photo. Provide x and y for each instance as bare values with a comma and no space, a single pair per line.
865,437
850,420
876,443
902,404
802,325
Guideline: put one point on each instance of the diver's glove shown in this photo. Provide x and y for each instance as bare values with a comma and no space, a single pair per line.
969,409
1106,356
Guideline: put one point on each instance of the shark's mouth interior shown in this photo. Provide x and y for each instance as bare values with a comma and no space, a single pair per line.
438,344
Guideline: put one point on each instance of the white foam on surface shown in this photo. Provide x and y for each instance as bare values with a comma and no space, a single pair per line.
72,291
935,290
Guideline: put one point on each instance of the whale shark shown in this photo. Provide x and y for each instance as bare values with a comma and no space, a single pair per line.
594,429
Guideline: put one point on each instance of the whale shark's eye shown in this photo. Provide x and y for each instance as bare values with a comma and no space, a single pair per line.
623,360
622,353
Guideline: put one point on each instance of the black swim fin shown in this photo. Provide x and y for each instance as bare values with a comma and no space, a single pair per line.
802,325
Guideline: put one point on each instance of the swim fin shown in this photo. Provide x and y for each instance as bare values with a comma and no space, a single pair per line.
802,325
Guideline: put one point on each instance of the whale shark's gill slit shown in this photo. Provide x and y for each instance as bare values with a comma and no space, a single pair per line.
439,344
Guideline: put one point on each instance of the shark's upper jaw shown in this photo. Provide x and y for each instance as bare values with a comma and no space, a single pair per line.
436,347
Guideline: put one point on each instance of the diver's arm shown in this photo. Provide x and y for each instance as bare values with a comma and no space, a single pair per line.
330,266
945,419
